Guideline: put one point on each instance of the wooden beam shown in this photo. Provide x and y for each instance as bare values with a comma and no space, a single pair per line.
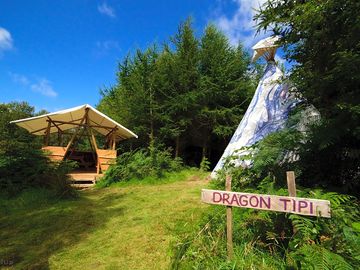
290,177
229,233
58,123
65,122
77,130
96,149
69,133
47,134
32,132
41,129
95,145
82,124
107,143
94,140
60,137
76,142
113,142
54,123
111,131
88,131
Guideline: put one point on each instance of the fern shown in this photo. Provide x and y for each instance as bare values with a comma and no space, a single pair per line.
337,199
319,258
305,226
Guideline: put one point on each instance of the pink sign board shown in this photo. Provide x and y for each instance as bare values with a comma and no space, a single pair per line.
300,206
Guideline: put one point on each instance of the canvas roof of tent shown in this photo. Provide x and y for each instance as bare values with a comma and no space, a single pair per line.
269,44
71,118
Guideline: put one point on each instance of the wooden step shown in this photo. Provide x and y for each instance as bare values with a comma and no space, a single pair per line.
82,185
85,176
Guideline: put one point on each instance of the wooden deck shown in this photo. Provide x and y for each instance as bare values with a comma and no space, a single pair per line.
84,179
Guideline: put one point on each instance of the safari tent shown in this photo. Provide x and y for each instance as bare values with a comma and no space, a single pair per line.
72,124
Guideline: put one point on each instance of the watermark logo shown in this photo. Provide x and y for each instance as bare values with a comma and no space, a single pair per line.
6,262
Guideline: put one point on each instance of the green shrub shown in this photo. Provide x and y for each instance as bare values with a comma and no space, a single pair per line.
205,164
22,163
23,166
139,164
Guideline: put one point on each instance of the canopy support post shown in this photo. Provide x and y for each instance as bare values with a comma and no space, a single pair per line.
96,148
77,131
47,134
60,137
113,141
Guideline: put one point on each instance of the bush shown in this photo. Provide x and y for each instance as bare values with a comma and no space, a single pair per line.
139,164
23,166
22,163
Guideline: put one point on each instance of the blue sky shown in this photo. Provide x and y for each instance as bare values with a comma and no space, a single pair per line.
58,54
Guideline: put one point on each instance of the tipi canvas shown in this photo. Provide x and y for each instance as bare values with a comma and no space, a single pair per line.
268,109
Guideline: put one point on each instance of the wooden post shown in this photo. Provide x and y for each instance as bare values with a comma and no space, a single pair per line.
47,135
290,177
96,150
77,130
113,141
60,137
229,244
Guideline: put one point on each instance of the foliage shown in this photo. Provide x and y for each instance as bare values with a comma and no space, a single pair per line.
190,92
22,163
139,164
205,165
321,40
271,240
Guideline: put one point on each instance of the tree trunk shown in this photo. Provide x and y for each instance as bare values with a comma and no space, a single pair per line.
204,150
177,146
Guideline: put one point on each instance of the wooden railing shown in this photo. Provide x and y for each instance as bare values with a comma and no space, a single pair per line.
55,153
105,158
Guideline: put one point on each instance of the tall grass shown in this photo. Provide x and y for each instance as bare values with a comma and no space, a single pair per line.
271,240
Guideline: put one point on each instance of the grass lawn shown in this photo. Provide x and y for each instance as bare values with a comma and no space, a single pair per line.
127,226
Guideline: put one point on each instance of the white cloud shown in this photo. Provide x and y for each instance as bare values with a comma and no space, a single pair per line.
103,48
240,26
19,79
107,10
6,41
41,85
108,45
44,87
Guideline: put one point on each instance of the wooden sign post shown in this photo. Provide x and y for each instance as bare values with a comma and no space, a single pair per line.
290,178
229,243
287,204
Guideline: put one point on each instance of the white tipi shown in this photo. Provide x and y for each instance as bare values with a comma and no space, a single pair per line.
268,109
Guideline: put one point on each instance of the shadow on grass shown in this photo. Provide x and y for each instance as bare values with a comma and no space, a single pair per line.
35,226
